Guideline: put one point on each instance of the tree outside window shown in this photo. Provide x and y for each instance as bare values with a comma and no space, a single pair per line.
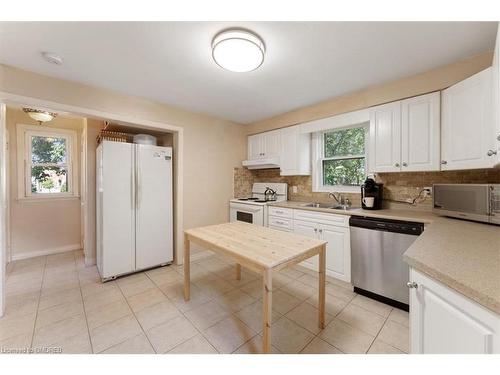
343,160
49,167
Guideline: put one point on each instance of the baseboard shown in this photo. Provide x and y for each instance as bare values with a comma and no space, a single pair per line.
39,253
90,262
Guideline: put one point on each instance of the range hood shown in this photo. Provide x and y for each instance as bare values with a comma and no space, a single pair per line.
262,163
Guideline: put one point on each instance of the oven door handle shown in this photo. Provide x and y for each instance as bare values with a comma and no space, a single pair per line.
245,207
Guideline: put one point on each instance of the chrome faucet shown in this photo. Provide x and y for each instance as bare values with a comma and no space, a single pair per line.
340,199
343,202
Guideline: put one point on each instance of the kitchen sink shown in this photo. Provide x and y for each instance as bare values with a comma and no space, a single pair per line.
319,205
329,205
341,207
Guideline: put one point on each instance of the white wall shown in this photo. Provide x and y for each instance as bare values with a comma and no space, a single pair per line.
212,146
48,225
92,130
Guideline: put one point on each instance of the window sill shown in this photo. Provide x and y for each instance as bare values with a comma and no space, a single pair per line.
337,189
47,199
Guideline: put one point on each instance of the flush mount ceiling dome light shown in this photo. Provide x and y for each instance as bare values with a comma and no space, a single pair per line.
238,50
40,115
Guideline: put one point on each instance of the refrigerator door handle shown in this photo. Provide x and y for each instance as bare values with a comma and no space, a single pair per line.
132,185
138,178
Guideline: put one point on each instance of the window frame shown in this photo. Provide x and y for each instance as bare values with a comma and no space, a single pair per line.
319,156
24,134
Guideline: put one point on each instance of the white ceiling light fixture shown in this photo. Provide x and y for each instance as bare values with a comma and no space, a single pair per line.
40,115
52,58
238,50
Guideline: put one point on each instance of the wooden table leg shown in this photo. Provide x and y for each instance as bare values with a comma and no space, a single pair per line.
238,271
322,282
267,310
187,278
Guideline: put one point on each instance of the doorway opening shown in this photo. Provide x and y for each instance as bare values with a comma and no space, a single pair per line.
50,195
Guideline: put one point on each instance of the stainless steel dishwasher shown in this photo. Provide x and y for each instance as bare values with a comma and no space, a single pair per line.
377,267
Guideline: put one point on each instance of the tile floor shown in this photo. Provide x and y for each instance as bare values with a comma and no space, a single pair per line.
56,302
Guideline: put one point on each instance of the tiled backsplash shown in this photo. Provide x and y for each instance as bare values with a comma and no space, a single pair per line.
397,186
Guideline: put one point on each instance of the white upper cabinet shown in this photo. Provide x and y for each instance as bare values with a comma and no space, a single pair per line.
272,143
385,138
405,135
295,152
264,145
255,147
420,133
467,124
496,97
289,145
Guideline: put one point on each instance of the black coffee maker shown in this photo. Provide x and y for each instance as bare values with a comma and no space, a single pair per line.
370,189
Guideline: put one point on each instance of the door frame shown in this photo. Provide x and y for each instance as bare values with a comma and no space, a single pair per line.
84,224
178,154
3,206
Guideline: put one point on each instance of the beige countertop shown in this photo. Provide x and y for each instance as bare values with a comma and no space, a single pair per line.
462,255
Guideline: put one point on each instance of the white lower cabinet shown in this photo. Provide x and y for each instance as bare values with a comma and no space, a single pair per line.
443,321
338,249
308,229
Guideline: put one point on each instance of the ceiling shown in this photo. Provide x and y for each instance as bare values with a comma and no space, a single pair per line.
306,62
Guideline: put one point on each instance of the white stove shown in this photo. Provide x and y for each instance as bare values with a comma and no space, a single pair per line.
254,209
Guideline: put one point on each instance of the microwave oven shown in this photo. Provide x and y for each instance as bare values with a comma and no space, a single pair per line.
476,202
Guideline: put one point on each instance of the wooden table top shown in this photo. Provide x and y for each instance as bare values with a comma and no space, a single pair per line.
262,246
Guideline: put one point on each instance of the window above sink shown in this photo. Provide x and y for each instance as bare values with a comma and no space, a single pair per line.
340,155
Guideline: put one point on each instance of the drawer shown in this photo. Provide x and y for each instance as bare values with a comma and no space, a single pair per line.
280,222
321,217
280,228
281,212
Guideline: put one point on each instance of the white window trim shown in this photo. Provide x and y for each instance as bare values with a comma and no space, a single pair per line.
317,167
24,154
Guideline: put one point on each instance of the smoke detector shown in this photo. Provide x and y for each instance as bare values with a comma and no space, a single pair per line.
52,58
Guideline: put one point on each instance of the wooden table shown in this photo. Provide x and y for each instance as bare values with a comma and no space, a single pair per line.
262,250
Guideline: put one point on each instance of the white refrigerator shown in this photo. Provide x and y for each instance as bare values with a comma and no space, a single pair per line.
134,207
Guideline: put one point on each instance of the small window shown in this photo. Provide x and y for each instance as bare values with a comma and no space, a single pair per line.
341,159
48,162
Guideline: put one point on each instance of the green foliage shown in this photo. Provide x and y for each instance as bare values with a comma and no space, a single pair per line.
51,151
344,172
47,184
344,143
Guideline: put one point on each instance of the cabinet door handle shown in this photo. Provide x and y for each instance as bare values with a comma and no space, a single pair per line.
315,230
396,165
491,153
412,285
405,164
321,231
498,137
444,162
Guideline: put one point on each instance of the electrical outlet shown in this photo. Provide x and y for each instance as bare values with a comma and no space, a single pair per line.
428,191
294,189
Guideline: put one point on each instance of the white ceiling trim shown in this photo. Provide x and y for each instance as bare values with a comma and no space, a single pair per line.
336,122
